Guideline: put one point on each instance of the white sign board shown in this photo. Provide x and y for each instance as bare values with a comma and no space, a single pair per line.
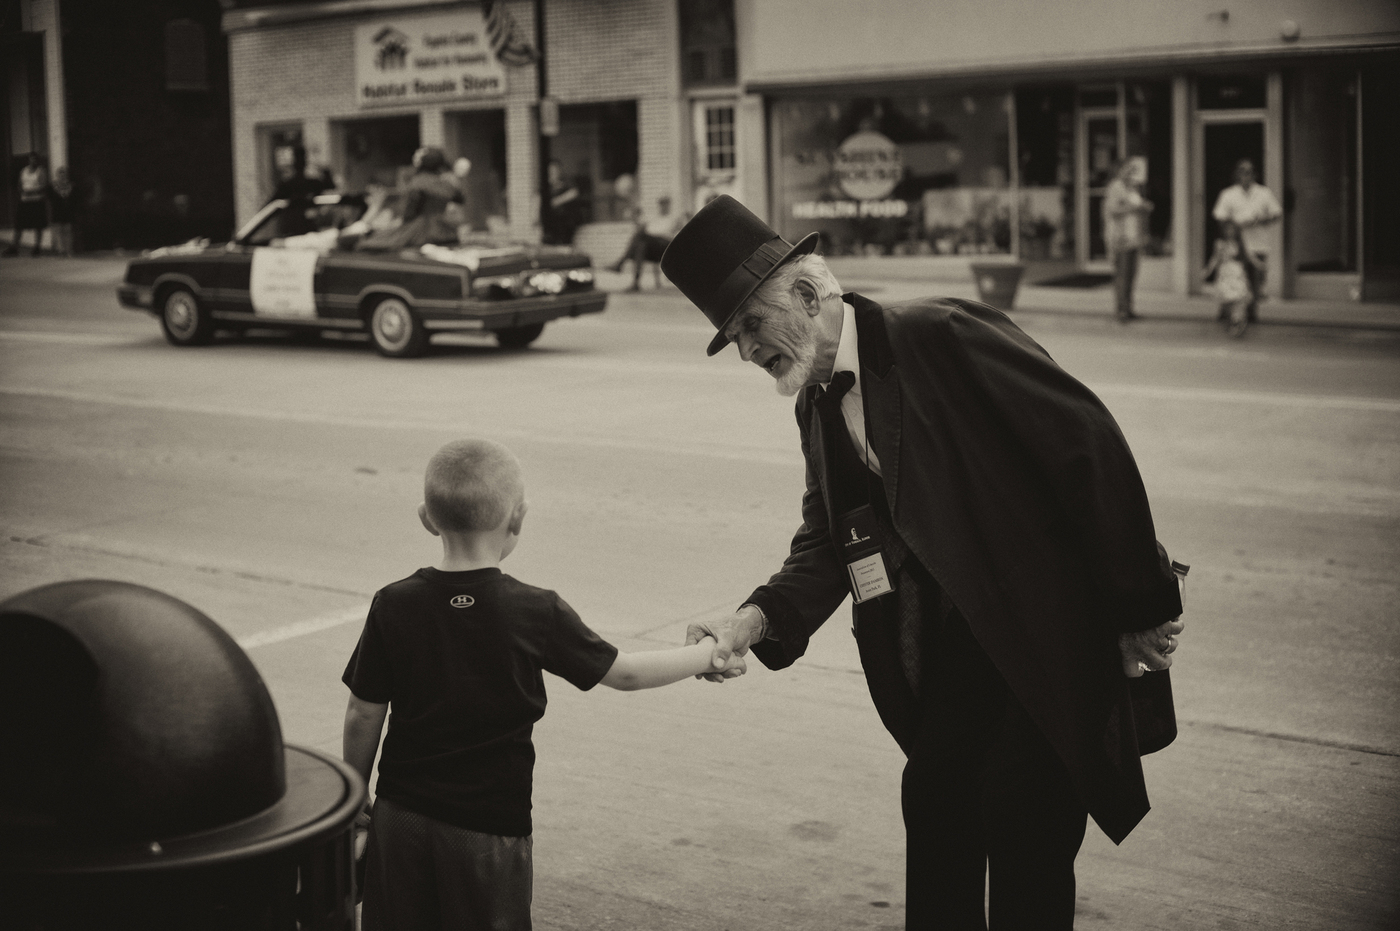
426,58
282,282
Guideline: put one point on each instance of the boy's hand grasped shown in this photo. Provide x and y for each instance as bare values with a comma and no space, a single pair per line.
732,666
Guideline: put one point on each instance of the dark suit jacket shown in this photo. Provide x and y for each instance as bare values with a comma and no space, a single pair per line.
1012,485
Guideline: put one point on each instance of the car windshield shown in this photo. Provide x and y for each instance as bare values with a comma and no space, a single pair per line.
302,217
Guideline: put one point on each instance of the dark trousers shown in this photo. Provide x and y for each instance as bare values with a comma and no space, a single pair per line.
1125,267
984,795
424,874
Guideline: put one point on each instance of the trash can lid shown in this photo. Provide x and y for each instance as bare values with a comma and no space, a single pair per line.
147,738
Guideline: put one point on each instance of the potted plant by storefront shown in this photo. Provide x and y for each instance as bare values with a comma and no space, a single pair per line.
997,282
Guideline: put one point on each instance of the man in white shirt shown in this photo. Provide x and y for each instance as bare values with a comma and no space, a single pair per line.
1254,209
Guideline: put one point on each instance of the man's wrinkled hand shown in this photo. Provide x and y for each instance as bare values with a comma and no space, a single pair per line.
733,637
1149,650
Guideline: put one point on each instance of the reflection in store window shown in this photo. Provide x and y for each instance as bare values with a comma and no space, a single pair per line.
916,175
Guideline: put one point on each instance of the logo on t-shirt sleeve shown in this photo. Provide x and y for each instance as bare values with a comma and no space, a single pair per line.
462,601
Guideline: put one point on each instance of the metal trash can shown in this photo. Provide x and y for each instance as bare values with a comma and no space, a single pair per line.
149,786
997,282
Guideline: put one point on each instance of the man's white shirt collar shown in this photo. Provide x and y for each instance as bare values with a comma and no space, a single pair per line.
847,354
853,405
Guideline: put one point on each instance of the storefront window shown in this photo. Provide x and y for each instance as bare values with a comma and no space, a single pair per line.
1045,133
896,175
374,150
596,145
1060,199
1322,172
707,42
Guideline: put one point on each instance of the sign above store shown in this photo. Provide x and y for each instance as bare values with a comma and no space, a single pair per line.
429,58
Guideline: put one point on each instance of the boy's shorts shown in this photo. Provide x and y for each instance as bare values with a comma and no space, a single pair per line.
424,873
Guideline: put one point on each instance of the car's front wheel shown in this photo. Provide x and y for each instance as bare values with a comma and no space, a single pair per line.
185,321
518,337
396,330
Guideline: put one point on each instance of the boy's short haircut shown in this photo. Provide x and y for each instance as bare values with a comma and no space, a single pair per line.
472,486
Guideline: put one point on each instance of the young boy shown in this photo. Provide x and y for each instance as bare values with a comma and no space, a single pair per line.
458,651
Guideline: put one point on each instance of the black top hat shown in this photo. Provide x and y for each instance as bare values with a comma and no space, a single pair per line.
721,255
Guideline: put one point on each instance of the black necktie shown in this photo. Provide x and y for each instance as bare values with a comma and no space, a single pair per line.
841,382
914,603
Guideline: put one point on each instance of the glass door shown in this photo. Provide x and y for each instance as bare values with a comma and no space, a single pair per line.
1100,134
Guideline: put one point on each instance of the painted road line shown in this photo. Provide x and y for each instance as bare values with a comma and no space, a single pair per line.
67,339
312,625
789,454
1213,396
1207,396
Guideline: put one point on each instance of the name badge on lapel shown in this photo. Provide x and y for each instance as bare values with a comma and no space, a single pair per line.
861,547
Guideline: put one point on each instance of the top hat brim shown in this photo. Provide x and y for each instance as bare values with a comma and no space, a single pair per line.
805,246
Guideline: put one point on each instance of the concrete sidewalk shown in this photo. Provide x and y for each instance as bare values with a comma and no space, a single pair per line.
855,273
106,268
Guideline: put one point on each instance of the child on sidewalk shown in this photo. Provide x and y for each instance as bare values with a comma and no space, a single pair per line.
458,651
1230,269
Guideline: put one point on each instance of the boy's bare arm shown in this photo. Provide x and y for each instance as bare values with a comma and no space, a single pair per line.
364,722
649,670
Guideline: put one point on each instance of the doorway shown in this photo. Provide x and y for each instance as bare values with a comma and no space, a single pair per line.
1224,143
480,137
373,150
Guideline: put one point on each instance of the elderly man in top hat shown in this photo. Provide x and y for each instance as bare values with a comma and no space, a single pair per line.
1013,609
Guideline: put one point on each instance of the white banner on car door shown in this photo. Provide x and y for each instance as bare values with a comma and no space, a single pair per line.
282,282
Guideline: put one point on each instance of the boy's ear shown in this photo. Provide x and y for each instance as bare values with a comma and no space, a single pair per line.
427,521
517,517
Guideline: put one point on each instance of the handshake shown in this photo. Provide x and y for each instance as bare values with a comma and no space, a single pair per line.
732,635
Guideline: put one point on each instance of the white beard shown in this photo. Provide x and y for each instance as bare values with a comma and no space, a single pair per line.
799,372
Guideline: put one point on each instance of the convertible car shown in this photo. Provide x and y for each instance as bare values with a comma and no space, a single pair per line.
314,266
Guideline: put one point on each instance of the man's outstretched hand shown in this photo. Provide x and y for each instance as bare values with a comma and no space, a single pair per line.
733,636
1149,650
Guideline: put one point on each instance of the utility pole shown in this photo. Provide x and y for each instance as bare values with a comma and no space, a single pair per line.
542,87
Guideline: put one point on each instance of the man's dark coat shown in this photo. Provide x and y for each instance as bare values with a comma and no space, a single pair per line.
1012,485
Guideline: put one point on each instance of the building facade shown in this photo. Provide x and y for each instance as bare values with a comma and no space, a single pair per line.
131,99
956,129
360,85
944,130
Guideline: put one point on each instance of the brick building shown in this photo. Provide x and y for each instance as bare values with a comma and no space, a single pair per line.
312,75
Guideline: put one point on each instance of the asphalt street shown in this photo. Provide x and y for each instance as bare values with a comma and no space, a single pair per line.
272,483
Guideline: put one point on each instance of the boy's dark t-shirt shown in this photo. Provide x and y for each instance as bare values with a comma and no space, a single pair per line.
459,655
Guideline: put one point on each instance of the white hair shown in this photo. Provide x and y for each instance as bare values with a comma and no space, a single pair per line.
775,293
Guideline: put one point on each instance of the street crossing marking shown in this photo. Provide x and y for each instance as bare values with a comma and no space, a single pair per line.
311,625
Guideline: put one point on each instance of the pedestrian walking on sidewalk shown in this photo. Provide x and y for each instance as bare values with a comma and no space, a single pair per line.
33,212
1125,213
983,511
458,650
